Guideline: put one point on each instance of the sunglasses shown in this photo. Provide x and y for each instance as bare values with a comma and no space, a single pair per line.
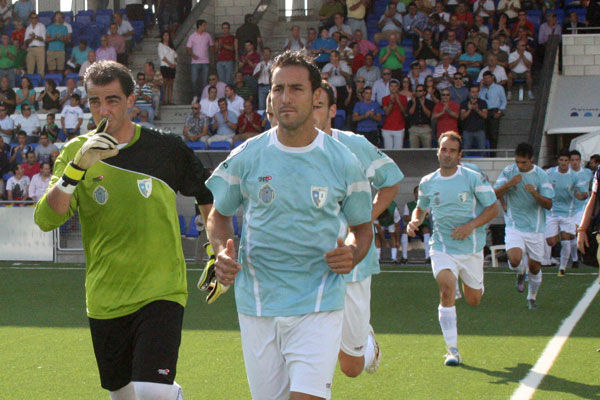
26,108
445,94
420,90
360,81
195,108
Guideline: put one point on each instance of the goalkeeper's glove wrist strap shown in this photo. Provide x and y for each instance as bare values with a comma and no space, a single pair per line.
72,175
74,171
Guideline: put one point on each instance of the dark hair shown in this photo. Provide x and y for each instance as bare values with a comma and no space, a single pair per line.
574,153
328,88
76,96
199,23
226,23
150,63
367,88
230,87
21,133
596,158
488,73
564,153
83,41
451,135
28,81
45,162
43,133
222,100
53,115
104,72
247,18
298,59
524,150
51,82
211,88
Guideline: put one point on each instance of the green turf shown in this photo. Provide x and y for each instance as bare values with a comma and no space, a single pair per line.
46,351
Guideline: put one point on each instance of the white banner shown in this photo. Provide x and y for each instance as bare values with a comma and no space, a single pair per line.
574,105
21,239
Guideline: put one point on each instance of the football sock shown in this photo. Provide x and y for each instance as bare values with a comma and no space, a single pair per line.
447,317
535,281
394,253
156,391
565,253
378,253
426,243
404,240
127,392
574,254
369,352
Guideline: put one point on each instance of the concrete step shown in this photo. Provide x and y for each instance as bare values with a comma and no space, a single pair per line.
170,126
174,113
149,44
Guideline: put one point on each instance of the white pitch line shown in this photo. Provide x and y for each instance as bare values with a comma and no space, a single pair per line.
530,383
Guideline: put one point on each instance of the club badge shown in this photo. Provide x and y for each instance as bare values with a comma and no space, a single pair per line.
100,195
318,195
145,187
266,194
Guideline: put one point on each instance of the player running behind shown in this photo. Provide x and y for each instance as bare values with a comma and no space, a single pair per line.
586,175
122,179
390,222
424,230
359,350
453,193
289,283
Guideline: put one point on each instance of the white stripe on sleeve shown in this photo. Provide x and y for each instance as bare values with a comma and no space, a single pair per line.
231,179
361,186
375,165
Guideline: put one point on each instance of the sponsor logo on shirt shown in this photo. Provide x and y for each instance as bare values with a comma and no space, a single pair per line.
318,195
462,197
100,195
145,187
266,194
164,372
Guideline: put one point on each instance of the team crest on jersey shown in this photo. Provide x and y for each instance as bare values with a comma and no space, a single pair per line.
318,195
145,187
266,194
462,197
100,195
436,198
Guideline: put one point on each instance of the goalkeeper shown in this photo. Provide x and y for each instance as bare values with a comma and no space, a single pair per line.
122,179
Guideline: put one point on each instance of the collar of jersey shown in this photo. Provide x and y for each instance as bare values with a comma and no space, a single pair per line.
318,141
458,172
136,136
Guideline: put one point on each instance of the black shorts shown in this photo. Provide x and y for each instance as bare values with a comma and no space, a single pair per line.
141,347
167,72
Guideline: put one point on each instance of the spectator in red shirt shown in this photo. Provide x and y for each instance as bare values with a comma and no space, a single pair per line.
31,166
358,59
465,18
226,54
248,61
446,113
19,32
522,22
248,123
394,106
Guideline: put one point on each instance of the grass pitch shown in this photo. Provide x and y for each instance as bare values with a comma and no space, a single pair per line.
46,350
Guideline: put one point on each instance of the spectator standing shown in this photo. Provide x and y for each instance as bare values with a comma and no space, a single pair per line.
18,154
248,123
91,59
29,122
210,105
71,117
358,59
444,72
49,98
57,38
368,114
392,56
338,72
143,95
17,185
213,81
520,62
294,42
495,98
248,61
357,10
235,103
225,123
44,148
50,129
18,33
494,68
327,12
414,23
339,26
117,41
31,166
125,29
168,66
369,72
8,55
40,181
262,73
199,46
473,113
7,126
509,7
322,48
35,37
547,29
70,89
446,114
428,48
381,87
196,125
155,80
79,55
406,89
451,46
105,52
226,55
390,22
419,111
458,92
395,107
22,10
365,46
417,75
6,12
472,60
168,16
247,31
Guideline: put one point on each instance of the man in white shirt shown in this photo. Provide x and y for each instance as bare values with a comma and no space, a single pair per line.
7,125
124,28
40,181
71,117
28,122
390,22
295,42
381,87
35,36
262,73
519,62
340,27
234,102
494,68
210,105
91,59
444,73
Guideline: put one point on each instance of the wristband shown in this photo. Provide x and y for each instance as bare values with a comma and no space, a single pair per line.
74,172
66,184
582,230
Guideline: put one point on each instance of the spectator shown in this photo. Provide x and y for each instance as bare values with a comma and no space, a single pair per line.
199,46
395,107
17,185
8,54
70,89
248,61
79,55
210,105
414,23
339,26
501,27
390,22
571,26
369,72
247,31
294,42
8,97
415,75
35,36
168,65
125,29
355,92
168,15
327,12
454,26
358,59
522,23
365,46
495,98
392,56
49,97
346,53
235,103
431,92
40,181
381,87
4,164
134,114
592,15
338,72
548,28
18,154
6,12
262,73
18,33
7,126
31,166
451,47
225,122
226,54
419,111
357,10
26,94
368,114
494,68
444,72
472,60
196,125
458,92
501,55
145,120
322,48
310,39
45,147
428,48
91,59
61,19
71,117
50,129
134,10
29,122
465,18
406,89
22,10
446,114
509,7
57,38
155,80
143,95
473,113
520,62
248,123
440,11
481,43
213,81
117,42
105,52
241,89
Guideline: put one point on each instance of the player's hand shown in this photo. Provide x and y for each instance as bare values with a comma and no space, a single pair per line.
530,188
462,232
226,266
340,259
98,147
412,228
515,180
583,241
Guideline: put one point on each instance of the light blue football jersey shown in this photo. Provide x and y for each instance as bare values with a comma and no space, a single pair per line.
296,204
565,186
454,201
381,171
523,212
474,167
585,177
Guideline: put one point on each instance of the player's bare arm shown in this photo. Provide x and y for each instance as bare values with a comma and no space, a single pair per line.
582,237
542,201
220,231
488,214
383,199
515,180
418,216
351,251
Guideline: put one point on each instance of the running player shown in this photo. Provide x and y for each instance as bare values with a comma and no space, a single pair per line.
299,187
585,175
424,230
122,179
453,193
527,192
359,350
390,222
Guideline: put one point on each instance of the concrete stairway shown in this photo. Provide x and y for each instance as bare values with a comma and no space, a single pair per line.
516,123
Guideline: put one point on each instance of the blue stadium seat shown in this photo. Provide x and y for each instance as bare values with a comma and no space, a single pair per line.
581,13
223,145
572,3
58,78
182,226
45,20
73,75
68,16
138,30
192,231
7,176
560,15
84,19
339,121
104,19
34,145
104,12
196,145
407,42
239,142
36,79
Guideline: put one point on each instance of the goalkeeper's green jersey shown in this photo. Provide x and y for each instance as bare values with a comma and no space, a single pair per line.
129,222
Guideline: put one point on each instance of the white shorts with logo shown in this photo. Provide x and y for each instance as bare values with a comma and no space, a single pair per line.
531,243
578,217
357,314
555,225
291,354
469,267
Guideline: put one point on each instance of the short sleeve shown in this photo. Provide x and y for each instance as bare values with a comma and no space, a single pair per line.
225,184
483,190
423,201
381,171
357,205
545,188
502,179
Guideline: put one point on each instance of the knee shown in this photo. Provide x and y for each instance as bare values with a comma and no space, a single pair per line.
473,300
447,293
514,260
351,369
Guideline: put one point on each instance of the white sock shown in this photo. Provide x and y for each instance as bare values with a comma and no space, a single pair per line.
426,243
154,391
565,253
447,318
378,252
127,392
404,240
535,281
574,255
394,253
369,352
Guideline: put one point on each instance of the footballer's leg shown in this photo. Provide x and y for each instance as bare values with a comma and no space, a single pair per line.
127,392
535,247
471,274
515,246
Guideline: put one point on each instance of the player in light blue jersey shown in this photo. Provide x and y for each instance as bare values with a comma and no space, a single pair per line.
299,188
527,192
454,193
585,175
359,350
560,225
